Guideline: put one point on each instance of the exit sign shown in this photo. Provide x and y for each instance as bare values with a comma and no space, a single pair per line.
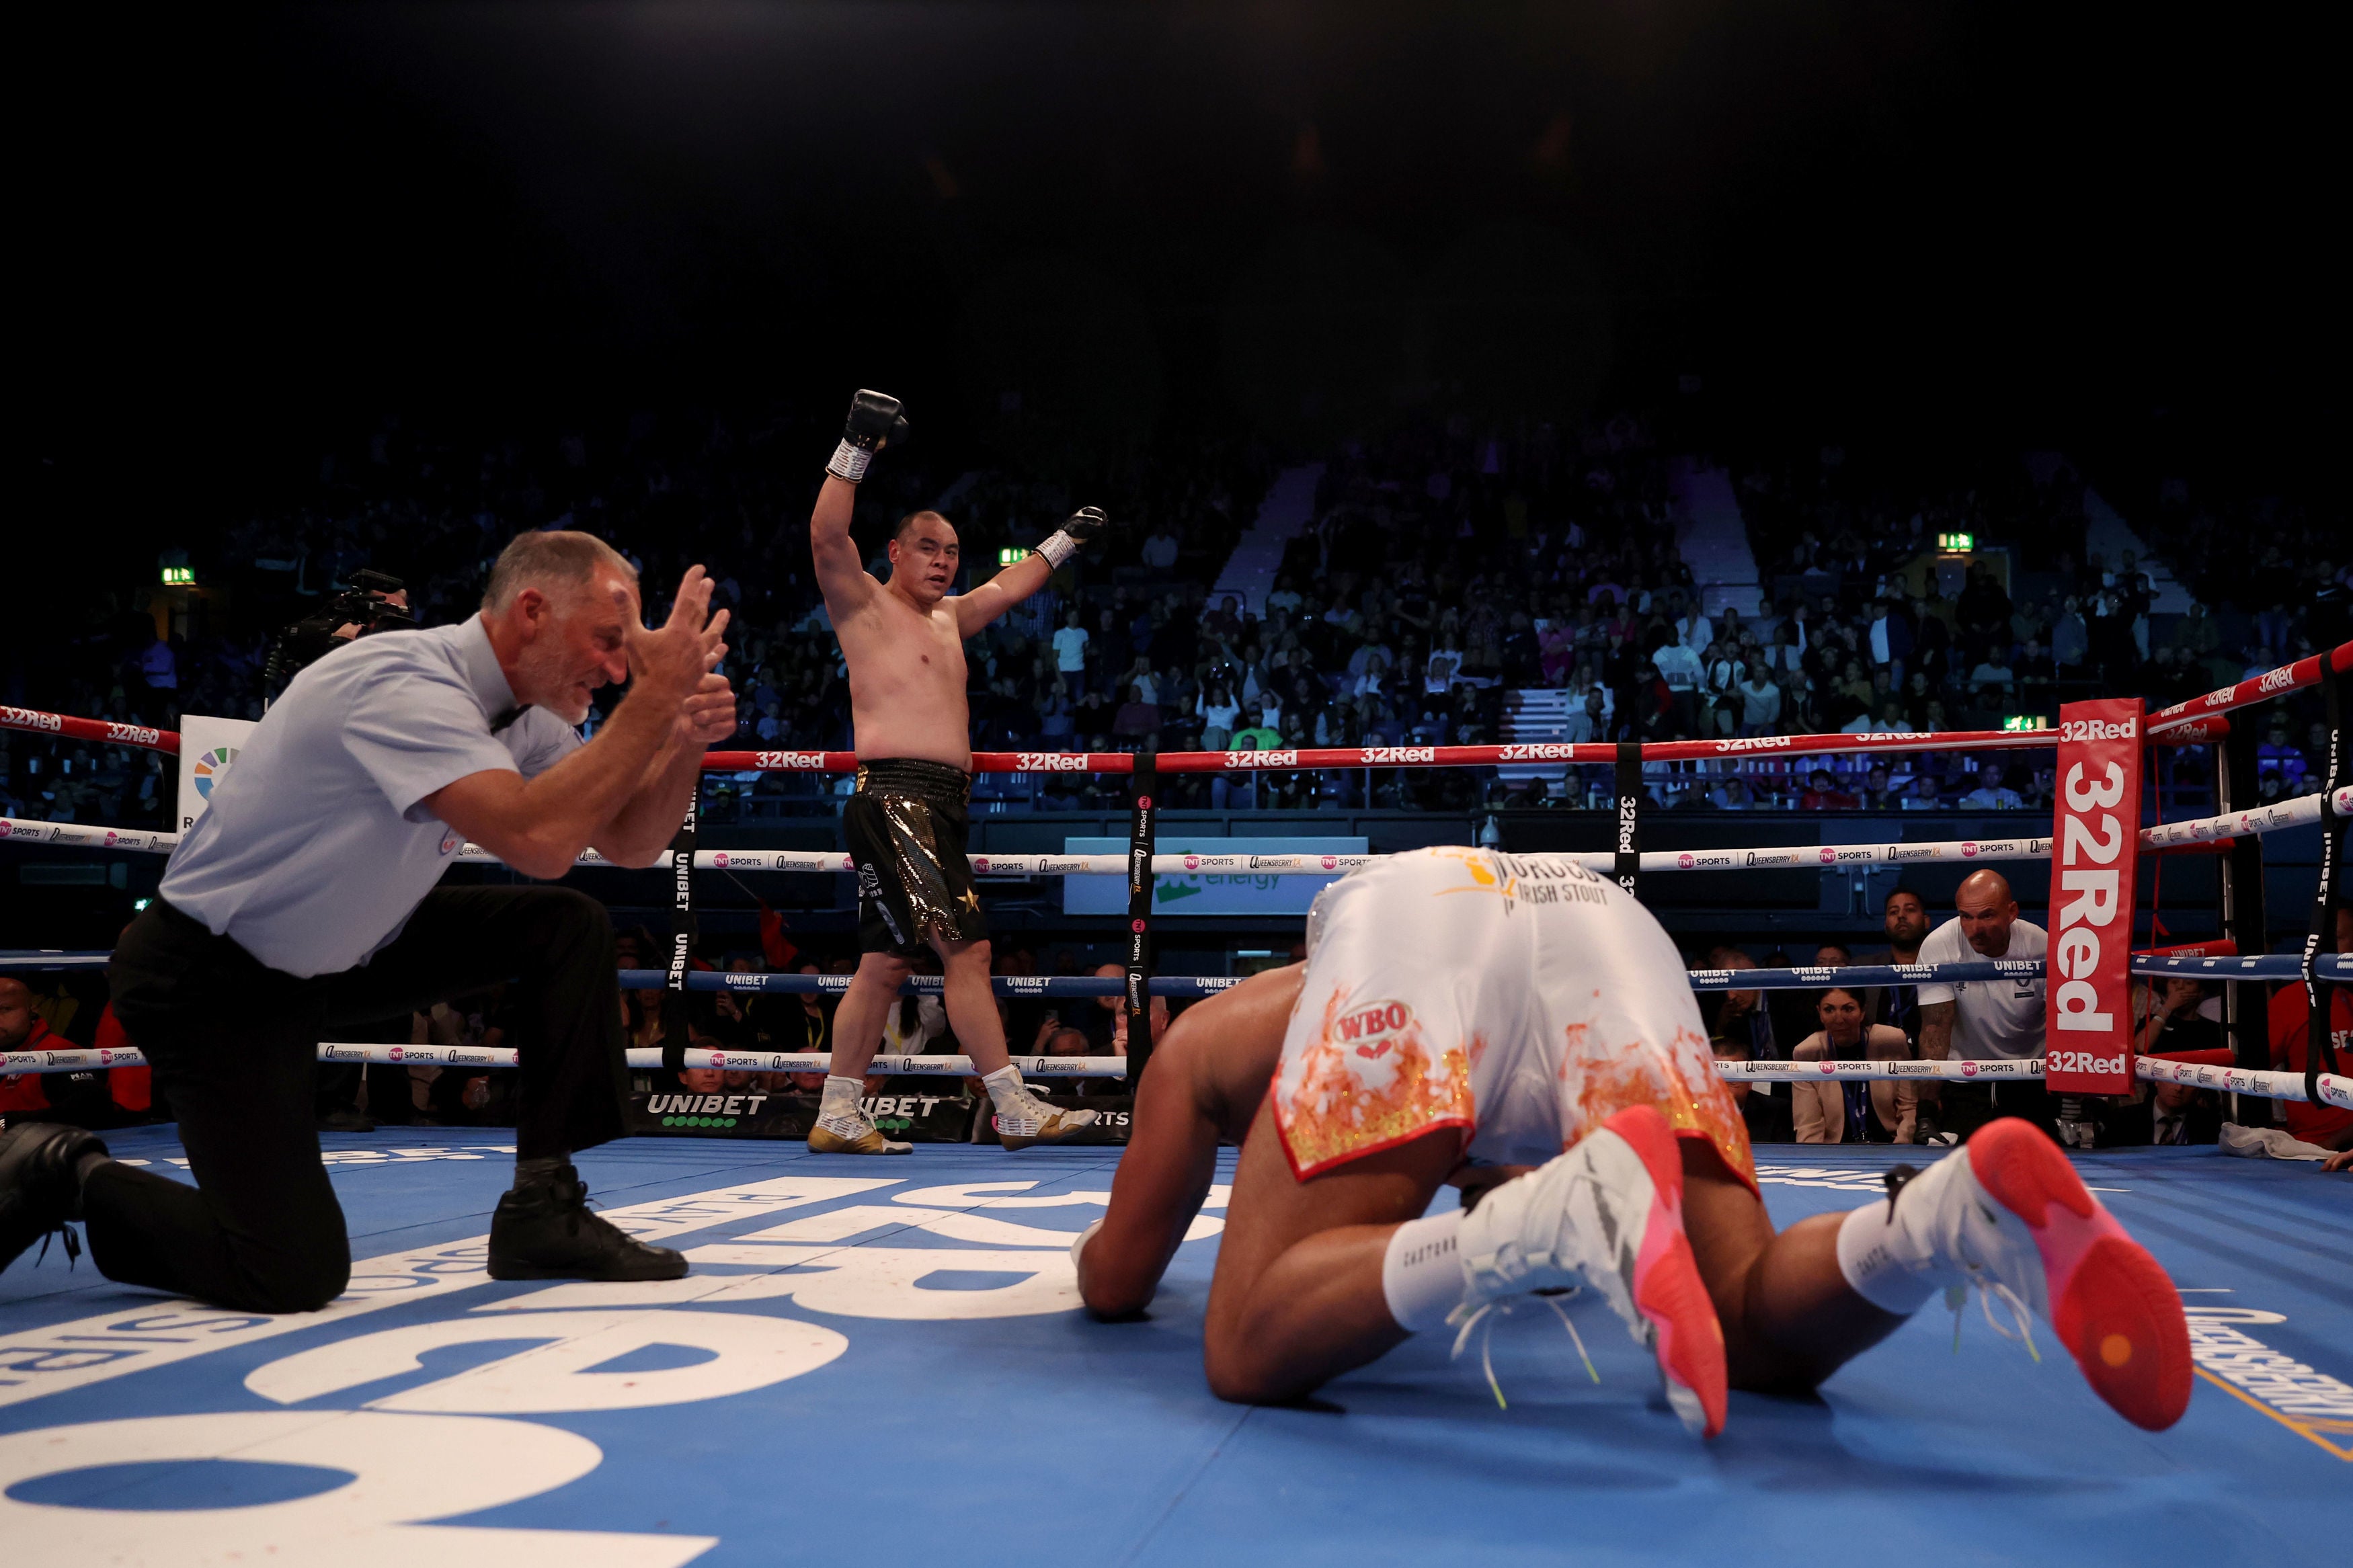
1956,541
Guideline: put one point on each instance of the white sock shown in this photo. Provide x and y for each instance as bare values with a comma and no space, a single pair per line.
1421,1271
1888,1250
838,1110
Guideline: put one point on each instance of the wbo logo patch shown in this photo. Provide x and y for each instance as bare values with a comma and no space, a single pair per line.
1373,1028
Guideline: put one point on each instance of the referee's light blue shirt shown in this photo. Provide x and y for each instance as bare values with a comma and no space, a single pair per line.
315,848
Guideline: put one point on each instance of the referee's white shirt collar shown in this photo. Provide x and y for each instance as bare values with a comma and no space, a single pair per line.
481,662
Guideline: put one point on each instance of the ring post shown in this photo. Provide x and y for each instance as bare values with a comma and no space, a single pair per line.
1140,837
1629,867
2320,1047
2087,1021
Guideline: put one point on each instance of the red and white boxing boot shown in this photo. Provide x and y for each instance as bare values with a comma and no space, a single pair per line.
1609,1214
2009,1216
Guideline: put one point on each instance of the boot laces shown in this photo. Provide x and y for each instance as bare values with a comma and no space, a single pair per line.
1988,1290
1466,1318
72,1245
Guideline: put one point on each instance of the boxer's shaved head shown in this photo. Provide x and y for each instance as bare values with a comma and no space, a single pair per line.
913,521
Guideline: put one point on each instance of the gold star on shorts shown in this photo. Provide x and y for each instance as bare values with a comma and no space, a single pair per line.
971,899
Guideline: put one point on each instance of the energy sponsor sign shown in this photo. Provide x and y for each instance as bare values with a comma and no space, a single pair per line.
1229,881
2087,1036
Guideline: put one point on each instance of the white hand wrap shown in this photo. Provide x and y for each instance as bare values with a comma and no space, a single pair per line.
1058,547
849,462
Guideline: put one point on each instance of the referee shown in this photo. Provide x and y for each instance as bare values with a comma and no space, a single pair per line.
305,900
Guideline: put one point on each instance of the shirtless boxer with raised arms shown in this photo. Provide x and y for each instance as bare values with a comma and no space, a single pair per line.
903,642
1468,1015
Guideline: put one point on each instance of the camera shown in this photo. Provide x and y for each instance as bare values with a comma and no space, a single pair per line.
366,607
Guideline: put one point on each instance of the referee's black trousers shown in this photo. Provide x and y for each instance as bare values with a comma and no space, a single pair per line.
235,1047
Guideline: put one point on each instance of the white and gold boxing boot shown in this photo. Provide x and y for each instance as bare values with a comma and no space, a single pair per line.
843,1127
1023,1119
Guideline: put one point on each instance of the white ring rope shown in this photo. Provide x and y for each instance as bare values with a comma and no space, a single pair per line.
2301,812
2334,1089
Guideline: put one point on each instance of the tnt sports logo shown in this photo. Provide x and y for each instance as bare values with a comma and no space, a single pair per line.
1969,1069
848,864
1829,1070
1968,849
1331,862
718,1059
1192,862
395,1053
979,862
1829,856
450,842
1373,1028
212,767
1686,861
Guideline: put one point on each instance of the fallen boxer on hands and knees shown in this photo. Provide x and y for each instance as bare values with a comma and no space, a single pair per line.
1465,1014
903,644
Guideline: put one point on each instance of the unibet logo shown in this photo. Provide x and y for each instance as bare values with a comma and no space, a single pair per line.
211,768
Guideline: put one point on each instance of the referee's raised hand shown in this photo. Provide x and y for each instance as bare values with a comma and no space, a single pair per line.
673,660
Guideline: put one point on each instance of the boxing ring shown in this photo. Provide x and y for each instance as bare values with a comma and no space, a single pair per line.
887,1355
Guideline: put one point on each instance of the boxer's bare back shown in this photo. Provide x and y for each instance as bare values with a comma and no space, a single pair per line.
903,639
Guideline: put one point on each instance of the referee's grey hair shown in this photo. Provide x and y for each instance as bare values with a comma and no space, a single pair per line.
548,559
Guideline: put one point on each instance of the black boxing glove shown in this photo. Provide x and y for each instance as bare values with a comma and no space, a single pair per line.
873,424
1081,526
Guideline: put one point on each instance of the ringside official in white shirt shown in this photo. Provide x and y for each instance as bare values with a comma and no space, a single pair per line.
1983,1020
306,897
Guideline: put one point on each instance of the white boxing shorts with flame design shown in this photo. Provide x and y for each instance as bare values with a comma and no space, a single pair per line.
1520,999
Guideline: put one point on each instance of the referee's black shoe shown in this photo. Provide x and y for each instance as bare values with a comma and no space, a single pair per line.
40,1184
547,1231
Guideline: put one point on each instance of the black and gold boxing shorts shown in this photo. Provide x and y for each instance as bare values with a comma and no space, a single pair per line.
906,827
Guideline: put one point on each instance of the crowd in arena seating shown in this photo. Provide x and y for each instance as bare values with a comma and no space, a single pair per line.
1447,566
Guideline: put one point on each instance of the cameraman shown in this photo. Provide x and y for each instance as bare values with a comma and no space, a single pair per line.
305,899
